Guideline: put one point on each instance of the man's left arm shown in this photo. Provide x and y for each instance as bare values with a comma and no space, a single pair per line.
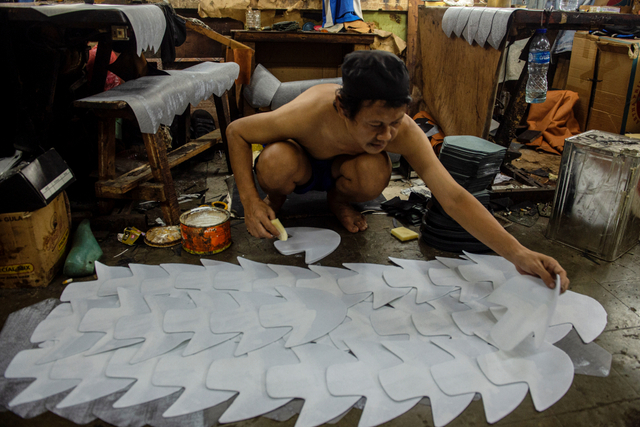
465,209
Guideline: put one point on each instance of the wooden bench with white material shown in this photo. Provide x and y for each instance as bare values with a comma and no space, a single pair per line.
152,101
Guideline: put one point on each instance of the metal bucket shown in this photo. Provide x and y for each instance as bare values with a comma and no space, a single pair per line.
205,230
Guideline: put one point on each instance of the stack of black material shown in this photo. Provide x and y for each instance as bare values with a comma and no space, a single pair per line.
473,162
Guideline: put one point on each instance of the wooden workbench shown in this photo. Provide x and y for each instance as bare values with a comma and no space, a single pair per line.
302,55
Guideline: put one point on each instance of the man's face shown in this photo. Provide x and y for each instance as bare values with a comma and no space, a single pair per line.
376,125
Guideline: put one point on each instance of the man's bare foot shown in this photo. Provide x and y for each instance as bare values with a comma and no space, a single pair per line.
350,218
275,202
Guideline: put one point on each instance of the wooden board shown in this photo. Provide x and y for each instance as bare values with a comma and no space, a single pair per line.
116,188
293,74
197,45
287,4
302,55
303,37
459,81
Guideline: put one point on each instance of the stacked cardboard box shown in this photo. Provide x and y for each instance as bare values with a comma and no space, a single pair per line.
33,244
603,73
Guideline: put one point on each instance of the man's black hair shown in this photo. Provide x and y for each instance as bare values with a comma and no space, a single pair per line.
372,75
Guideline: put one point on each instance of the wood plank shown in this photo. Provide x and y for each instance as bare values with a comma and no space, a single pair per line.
114,188
200,27
384,5
199,45
294,55
211,136
101,105
157,154
224,118
302,37
216,59
106,148
459,80
106,156
559,20
412,38
144,191
296,5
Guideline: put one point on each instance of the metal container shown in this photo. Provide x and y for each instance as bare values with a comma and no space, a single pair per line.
205,230
597,186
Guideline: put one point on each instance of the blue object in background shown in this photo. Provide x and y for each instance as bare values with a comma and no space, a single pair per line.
339,11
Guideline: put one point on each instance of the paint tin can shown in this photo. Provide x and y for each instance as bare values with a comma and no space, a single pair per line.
205,230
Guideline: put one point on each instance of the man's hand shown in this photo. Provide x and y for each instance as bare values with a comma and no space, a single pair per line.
542,266
257,217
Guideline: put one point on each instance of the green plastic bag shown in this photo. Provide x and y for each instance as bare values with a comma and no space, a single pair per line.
85,251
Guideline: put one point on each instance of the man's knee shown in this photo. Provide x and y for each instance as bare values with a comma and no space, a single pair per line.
277,166
369,174
375,173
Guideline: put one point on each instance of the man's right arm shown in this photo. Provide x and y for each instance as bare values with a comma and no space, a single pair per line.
256,129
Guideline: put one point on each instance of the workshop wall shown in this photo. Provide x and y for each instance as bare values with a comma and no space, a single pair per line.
394,22
387,15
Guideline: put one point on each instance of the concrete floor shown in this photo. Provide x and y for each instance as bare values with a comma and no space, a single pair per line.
593,401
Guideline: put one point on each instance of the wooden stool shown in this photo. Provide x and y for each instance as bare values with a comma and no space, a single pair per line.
133,184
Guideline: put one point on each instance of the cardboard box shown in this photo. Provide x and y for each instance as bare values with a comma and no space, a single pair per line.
33,244
603,73
580,75
31,186
625,6
600,9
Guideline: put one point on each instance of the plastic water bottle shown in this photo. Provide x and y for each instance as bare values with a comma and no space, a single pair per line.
568,5
538,66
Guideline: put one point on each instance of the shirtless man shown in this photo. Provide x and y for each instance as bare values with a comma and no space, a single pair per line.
336,139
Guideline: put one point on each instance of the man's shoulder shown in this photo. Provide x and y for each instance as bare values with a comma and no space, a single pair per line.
315,101
325,92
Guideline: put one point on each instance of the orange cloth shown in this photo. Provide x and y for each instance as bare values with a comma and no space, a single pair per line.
437,139
555,119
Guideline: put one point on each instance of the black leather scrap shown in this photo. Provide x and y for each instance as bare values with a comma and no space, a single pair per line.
408,211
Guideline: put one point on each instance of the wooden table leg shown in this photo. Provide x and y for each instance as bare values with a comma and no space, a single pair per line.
234,112
184,123
106,158
222,111
162,173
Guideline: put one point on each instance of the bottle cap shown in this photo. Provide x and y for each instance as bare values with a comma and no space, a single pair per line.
541,30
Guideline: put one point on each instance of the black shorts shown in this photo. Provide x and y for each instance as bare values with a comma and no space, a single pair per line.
321,179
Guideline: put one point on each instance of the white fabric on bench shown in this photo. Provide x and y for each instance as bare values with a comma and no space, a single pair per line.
156,100
147,20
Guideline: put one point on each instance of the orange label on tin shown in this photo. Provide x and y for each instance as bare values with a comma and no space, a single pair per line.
206,240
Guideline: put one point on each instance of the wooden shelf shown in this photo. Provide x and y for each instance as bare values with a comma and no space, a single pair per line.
302,36
125,183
